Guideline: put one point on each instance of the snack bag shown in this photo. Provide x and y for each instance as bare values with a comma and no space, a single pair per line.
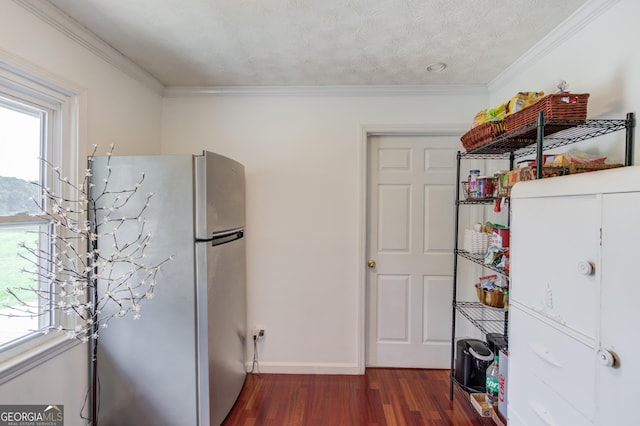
579,157
522,100
497,113
560,161
480,118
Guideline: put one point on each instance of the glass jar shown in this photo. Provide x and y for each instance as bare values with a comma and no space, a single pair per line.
473,183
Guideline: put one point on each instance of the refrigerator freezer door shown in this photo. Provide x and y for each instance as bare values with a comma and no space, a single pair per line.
220,196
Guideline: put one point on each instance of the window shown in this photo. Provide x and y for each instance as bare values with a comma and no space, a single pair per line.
23,136
38,120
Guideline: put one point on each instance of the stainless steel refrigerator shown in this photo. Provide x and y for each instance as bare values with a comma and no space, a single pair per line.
183,361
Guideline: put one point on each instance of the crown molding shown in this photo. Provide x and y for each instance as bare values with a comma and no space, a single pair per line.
587,13
51,15
63,23
439,129
360,90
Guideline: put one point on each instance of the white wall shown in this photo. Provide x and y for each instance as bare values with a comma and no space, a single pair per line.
118,110
600,58
302,154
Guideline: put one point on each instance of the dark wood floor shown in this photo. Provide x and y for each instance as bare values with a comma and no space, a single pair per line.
380,397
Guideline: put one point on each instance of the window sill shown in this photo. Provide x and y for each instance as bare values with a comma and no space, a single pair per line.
43,349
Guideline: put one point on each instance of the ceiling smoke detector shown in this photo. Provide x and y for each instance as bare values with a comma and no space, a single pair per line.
436,67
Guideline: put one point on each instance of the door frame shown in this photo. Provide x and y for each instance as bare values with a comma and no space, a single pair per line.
366,131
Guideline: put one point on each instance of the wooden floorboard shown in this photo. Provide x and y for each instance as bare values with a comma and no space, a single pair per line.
380,397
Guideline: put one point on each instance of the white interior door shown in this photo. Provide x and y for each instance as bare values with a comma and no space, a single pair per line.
411,193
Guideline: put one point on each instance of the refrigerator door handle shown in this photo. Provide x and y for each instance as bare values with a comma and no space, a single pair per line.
223,237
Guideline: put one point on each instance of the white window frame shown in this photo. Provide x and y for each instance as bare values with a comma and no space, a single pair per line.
64,102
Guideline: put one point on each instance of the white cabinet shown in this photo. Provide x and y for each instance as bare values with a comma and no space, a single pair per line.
574,250
556,235
551,357
619,321
565,232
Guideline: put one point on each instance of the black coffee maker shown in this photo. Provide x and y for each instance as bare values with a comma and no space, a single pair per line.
496,342
473,357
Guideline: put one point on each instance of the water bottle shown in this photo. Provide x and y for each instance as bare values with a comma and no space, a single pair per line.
493,386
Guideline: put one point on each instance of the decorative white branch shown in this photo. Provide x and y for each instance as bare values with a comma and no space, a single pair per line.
93,284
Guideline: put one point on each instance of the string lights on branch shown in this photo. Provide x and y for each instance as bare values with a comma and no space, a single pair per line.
94,268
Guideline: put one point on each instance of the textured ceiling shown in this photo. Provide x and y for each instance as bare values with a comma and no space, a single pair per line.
320,42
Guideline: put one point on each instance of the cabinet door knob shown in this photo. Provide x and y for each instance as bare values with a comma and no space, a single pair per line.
585,267
371,263
606,358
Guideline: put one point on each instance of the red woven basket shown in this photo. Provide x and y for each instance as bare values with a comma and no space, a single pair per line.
568,106
482,134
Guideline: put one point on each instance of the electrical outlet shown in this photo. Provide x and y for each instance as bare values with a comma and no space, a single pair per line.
258,332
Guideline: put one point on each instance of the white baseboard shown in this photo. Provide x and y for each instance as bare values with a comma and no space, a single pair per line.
306,368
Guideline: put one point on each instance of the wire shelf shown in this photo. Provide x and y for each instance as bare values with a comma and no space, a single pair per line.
478,201
498,155
511,145
485,318
479,259
557,132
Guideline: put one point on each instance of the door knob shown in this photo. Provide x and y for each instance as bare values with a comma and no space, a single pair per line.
371,263
585,267
607,358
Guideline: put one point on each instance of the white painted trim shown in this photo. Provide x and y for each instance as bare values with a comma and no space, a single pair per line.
66,25
28,360
26,69
63,23
389,90
450,129
305,368
591,10
367,130
71,97
67,151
